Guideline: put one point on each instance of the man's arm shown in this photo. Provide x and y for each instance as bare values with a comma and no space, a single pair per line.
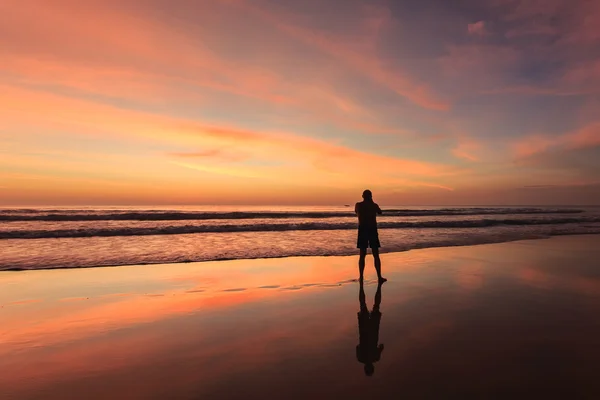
379,210
356,209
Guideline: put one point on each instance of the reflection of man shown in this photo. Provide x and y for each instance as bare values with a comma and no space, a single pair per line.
368,350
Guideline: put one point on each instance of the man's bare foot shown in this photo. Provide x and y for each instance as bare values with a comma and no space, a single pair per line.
382,280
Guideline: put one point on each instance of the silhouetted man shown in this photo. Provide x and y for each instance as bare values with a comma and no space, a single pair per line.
368,236
369,350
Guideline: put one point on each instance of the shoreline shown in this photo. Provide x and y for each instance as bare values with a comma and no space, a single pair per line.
221,260
474,320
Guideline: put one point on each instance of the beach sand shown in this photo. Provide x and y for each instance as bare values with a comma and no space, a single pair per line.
507,320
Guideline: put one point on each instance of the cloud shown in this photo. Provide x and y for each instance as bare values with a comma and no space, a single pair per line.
585,26
65,50
212,153
447,188
530,31
532,145
529,90
553,44
570,160
477,28
368,64
239,172
146,61
587,136
590,187
467,149
585,75
573,21
477,68
230,150
540,186
314,93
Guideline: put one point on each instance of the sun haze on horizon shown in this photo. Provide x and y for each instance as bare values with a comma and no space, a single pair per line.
299,102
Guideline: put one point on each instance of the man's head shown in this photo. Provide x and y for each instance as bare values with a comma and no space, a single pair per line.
367,195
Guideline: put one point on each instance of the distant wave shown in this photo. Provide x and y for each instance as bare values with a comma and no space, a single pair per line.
150,215
306,226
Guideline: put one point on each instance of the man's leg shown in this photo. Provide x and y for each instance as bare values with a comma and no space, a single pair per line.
361,262
378,264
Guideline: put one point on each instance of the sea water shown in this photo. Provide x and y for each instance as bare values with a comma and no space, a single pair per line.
51,237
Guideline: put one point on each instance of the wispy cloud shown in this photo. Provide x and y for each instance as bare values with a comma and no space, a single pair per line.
125,66
224,143
584,185
285,94
368,64
467,149
587,136
212,153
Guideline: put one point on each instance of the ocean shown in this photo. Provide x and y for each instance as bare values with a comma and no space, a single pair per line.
53,237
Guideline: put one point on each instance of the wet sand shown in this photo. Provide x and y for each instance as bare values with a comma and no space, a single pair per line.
512,320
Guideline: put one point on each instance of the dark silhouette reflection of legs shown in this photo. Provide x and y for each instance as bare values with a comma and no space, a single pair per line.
368,350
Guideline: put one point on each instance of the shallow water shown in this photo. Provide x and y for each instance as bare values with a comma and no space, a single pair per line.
58,238
513,320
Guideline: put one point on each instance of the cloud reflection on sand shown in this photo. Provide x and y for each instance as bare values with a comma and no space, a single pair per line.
461,317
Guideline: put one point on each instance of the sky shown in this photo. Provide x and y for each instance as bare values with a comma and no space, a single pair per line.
428,102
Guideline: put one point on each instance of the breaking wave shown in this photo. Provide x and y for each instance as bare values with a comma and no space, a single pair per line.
282,227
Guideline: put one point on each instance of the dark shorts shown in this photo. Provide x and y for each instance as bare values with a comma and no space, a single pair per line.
368,237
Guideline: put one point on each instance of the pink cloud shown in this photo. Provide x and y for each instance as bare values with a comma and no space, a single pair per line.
532,145
125,56
368,64
467,149
587,136
235,87
477,28
584,75
586,25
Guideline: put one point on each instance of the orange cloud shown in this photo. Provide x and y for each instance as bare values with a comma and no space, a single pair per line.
212,153
235,92
267,156
17,103
126,56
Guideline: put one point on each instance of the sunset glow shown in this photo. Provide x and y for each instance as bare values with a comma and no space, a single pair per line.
299,102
